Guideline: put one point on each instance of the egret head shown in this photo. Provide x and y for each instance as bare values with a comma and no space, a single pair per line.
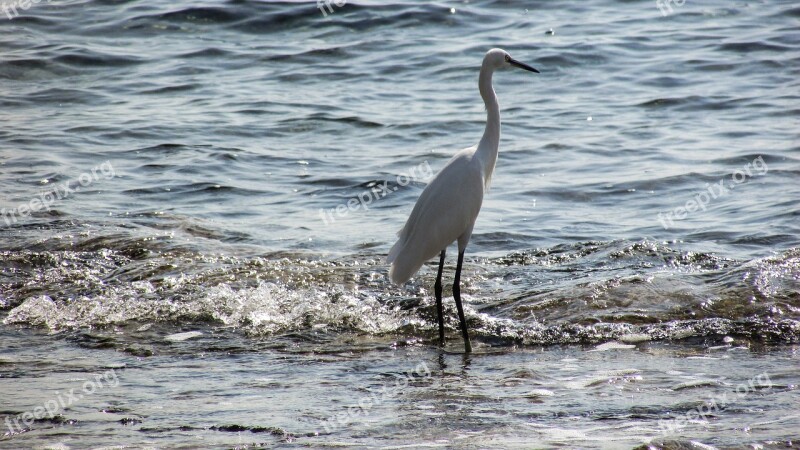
498,58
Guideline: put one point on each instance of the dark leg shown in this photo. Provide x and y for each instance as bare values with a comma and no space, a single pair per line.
437,288
457,296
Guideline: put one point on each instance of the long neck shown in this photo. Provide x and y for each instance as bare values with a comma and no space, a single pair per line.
487,148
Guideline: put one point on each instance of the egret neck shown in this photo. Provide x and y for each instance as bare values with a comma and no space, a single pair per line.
487,147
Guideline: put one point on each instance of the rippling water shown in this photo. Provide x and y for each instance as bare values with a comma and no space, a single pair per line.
238,170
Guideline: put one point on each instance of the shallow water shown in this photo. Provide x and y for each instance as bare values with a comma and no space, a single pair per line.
219,390
192,159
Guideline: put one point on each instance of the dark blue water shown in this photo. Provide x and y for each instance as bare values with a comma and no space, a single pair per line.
240,169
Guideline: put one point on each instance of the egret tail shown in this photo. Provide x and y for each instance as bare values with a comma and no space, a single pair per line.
406,258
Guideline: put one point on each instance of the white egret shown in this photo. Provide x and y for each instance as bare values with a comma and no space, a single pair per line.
447,208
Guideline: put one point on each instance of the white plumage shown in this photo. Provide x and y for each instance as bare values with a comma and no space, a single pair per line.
446,211
447,208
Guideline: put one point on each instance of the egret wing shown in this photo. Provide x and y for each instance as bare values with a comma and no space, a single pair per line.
445,210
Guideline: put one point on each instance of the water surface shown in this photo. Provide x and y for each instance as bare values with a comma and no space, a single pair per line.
189,158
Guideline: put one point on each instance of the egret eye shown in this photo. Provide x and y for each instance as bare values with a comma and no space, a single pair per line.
508,58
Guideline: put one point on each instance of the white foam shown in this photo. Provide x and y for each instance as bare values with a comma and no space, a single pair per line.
179,337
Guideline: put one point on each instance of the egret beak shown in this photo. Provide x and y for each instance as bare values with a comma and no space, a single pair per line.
516,63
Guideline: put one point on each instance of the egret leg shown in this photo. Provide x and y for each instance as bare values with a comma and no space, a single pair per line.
457,297
437,288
